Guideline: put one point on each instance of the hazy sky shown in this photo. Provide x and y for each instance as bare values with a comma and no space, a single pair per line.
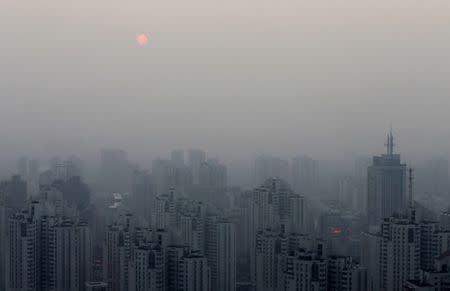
236,77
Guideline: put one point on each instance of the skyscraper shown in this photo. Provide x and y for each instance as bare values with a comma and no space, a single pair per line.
221,253
73,255
226,256
360,182
304,174
386,185
196,158
116,170
213,174
22,262
268,167
144,194
297,214
14,192
116,257
177,157
168,174
370,259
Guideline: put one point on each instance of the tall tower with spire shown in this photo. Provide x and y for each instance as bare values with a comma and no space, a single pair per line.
386,185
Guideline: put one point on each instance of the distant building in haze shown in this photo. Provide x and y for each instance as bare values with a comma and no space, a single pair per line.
305,176
14,192
268,167
196,158
116,171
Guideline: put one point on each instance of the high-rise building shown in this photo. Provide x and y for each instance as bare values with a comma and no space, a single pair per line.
64,171
4,227
22,257
192,232
429,235
46,250
22,167
116,171
194,273
267,167
174,255
262,210
400,252
297,214
77,166
177,158
28,170
344,274
221,253
144,194
116,257
360,182
213,174
149,268
167,175
305,175
165,216
306,271
274,206
14,192
386,185
370,259
73,255
226,256
349,194
270,252
196,158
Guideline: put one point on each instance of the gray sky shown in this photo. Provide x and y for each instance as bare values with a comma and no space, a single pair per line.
235,77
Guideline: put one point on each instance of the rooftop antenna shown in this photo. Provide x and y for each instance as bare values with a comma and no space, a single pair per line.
410,186
412,210
390,143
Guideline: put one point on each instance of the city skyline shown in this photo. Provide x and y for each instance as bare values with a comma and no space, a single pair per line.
256,145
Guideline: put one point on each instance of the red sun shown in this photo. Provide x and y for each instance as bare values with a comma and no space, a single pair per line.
142,39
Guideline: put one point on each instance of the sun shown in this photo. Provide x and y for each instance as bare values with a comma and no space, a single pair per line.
142,39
